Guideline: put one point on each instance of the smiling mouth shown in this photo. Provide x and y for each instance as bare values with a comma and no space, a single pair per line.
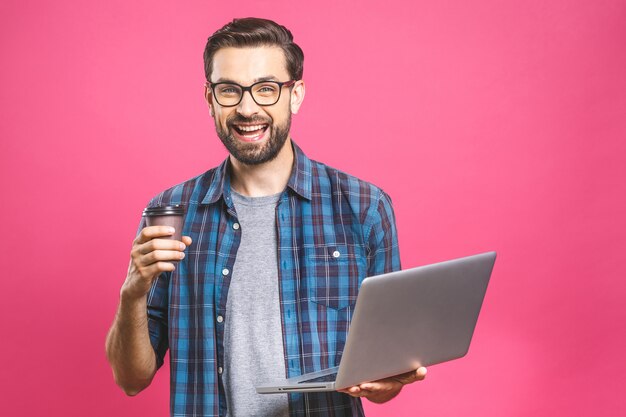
250,131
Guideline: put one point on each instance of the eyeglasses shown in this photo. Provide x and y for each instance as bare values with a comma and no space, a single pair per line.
264,93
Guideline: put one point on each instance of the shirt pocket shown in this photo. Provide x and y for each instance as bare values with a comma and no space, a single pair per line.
334,273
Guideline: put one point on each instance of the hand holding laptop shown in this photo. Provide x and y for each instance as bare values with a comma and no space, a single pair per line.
402,320
385,389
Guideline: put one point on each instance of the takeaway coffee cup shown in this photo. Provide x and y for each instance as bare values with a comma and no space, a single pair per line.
173,216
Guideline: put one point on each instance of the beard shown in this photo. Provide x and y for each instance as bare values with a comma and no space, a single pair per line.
254,153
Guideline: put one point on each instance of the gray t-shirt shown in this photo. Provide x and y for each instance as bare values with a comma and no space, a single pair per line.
253,340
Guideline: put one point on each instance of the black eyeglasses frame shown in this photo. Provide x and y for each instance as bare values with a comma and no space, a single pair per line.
281,84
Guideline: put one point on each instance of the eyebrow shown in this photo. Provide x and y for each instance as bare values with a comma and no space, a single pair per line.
256,80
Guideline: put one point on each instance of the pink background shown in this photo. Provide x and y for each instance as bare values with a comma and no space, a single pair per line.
492,124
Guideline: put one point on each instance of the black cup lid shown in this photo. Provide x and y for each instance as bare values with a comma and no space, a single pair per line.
164,211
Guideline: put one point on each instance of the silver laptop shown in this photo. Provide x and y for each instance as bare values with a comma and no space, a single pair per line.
403,320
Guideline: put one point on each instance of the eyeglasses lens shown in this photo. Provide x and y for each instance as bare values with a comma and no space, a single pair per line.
264,93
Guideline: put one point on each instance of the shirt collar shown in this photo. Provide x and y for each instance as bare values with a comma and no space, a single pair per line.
299,180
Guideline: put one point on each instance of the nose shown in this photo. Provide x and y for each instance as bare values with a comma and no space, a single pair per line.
247,106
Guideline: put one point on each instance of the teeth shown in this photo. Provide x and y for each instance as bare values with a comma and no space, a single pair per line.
250,128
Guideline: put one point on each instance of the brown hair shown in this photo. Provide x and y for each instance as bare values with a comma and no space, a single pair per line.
251,32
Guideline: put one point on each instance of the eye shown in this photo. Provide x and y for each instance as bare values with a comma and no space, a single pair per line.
228,90
266,89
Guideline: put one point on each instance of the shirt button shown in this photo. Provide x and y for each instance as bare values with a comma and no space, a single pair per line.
236,226
220,370
225,271
220,319
336,254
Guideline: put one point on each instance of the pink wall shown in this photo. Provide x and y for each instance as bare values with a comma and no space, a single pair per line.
492,124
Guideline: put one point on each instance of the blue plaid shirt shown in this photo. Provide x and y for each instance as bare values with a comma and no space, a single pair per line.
333,231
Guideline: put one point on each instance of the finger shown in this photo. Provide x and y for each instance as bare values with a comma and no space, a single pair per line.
352,391
161,255
150,232
187,240
420,374
161,244
408,377
157,268
364,393
374,386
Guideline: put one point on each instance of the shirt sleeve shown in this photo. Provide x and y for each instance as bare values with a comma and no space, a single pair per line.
383,254
158,301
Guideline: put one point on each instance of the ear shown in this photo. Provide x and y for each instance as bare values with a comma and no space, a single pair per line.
297,96
209,99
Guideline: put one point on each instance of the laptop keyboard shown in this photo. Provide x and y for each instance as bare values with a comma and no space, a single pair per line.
325,378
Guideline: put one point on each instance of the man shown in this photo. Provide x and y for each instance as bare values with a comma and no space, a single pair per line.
275,248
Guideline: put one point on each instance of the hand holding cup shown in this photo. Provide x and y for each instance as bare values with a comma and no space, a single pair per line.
156,249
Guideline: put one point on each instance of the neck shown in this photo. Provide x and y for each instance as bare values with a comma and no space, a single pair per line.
264,179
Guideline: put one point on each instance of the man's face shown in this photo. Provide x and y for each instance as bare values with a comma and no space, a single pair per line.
253,134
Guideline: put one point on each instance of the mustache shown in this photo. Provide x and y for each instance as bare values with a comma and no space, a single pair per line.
237,118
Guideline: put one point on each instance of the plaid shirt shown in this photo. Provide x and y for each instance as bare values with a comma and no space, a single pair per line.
333,230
